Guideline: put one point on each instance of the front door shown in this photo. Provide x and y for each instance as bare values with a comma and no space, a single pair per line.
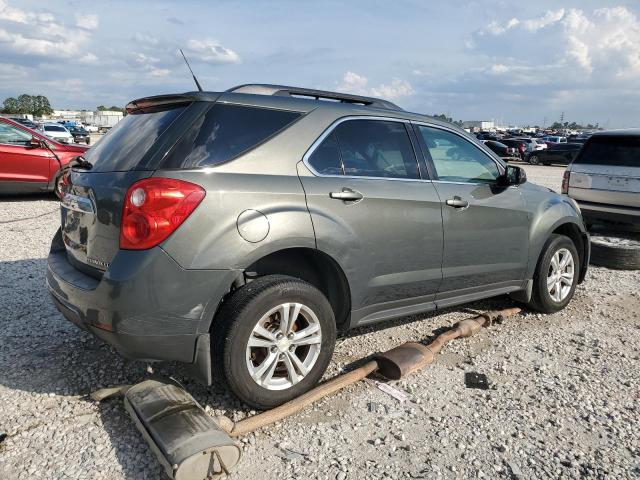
19,161
486,228
375,215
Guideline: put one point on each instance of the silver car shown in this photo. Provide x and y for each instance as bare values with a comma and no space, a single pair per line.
238,232
605,178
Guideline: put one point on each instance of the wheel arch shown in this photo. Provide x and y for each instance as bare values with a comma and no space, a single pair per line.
308,264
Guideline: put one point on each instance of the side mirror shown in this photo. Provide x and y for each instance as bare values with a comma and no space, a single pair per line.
35,143
512,176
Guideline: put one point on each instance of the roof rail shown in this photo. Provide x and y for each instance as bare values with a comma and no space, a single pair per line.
283,90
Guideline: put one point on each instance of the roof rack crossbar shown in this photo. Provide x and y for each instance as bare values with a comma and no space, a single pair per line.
282,90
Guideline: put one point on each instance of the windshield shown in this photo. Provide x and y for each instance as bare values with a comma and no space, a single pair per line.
616,151
126,144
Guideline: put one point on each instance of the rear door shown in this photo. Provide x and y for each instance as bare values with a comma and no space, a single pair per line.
486,227
607,171
19,161
376,214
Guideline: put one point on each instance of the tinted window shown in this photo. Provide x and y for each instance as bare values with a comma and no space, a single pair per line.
456,159
376,148
126,143
225,132
616,151
12,135
326,158
54,128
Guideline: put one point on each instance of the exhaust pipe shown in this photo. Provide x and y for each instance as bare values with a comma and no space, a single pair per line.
188,443
192,445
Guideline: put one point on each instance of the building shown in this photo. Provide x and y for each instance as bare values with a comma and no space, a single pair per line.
479,125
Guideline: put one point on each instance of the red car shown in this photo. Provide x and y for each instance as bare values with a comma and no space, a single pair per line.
31,162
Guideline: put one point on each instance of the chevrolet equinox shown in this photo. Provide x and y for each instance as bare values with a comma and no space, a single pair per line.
237,232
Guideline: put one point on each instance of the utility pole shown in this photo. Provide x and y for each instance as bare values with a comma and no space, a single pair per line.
562,118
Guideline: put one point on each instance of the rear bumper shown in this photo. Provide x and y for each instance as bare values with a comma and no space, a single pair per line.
594,212
145,305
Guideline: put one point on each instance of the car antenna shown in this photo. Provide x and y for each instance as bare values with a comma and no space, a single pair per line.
192,74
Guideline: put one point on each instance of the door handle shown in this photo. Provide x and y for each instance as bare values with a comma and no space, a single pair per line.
457,202
347,195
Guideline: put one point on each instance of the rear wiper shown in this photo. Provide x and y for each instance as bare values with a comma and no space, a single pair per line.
80,162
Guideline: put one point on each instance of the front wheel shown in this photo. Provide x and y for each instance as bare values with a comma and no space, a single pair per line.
556,275
273,338
533,160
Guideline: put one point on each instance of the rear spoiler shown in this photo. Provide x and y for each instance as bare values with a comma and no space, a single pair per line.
170,100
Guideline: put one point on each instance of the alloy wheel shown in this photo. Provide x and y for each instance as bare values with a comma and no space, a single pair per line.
284,346
561,275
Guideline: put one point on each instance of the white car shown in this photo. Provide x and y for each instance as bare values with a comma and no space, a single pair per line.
57,132
555,139
91,128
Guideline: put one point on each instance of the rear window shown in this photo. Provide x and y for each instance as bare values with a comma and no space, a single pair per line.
225,132
54,128
615,151
126,144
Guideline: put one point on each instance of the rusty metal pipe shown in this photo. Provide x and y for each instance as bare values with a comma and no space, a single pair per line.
392,364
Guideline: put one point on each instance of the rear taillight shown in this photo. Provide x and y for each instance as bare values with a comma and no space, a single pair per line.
565,181
154,208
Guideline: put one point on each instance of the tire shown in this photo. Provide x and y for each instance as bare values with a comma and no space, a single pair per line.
615,249
542,298
261,302
57,187
533,160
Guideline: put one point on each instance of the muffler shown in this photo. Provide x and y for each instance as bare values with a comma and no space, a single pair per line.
189,444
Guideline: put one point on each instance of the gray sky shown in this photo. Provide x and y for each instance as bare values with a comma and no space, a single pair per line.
512,61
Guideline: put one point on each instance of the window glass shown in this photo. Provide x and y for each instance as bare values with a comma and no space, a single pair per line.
458,160
13,135
326,158
376,148
126,144
225,132
623,151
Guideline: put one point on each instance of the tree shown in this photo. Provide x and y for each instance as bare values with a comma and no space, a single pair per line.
37,105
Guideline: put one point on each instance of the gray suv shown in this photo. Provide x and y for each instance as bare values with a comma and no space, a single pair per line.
237,232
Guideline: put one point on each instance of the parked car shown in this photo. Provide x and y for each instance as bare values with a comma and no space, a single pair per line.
29,161
532,144
519,145
239,231
556,153
605,178
91,128
80,135
26,122
56,132
554,139
487,136
500,149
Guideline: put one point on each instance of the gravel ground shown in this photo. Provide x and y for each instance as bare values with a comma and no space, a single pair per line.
562,402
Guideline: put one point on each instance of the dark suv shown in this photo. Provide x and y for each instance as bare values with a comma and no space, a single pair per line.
237,232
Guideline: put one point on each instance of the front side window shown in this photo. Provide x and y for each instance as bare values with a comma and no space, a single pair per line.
456,159
12,135
376,148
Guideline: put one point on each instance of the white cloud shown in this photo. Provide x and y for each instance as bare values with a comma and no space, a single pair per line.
358,84
88,59
41,34
210,51
584,46
87,21
159,72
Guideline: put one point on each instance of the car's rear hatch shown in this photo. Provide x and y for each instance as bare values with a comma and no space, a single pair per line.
94,197
607,171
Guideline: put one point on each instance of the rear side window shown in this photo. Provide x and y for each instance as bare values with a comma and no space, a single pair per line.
125,145
225,132
376,148
326,158
615,151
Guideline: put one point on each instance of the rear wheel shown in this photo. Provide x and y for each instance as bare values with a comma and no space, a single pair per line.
534,160
274,339
556,275
615,249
